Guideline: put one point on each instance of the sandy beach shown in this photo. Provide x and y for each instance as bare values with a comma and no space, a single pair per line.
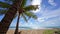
11,31
34,31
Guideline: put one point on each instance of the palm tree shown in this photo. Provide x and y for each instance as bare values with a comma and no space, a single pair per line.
6,21
27,13
18,5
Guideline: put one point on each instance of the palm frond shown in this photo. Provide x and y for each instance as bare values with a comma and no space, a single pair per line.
31,7
30,15
23,3
24,17
4,5
3,12
9,0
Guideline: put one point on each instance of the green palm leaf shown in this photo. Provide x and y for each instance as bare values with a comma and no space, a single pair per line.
4,5
24,17
23,3
31,7
3,12
30,15
26,9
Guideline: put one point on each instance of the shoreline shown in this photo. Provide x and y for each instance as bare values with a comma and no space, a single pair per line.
33,31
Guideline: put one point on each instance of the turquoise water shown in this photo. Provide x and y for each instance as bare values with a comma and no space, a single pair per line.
28,28
21,28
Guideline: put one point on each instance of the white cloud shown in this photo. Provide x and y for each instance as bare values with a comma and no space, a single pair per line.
52,22
45,15
44,19
37,2
29,24
49,14
52,2
49,18
40,19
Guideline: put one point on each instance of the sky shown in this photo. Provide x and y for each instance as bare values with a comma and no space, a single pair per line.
48,15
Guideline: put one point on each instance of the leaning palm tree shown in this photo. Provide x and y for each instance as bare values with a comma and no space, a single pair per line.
26,13
12,9
17,5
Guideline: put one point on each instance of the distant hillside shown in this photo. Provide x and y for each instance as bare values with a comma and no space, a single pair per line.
54,27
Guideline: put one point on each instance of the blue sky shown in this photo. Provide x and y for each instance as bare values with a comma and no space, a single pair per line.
48,14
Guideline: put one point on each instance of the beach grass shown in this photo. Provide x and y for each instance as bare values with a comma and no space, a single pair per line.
48,32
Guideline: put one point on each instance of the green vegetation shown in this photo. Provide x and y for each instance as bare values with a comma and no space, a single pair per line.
48,32
19,8
58,32
51,32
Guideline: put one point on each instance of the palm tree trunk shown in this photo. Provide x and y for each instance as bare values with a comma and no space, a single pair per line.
17,25
6,21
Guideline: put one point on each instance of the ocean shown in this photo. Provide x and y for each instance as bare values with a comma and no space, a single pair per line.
29,28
